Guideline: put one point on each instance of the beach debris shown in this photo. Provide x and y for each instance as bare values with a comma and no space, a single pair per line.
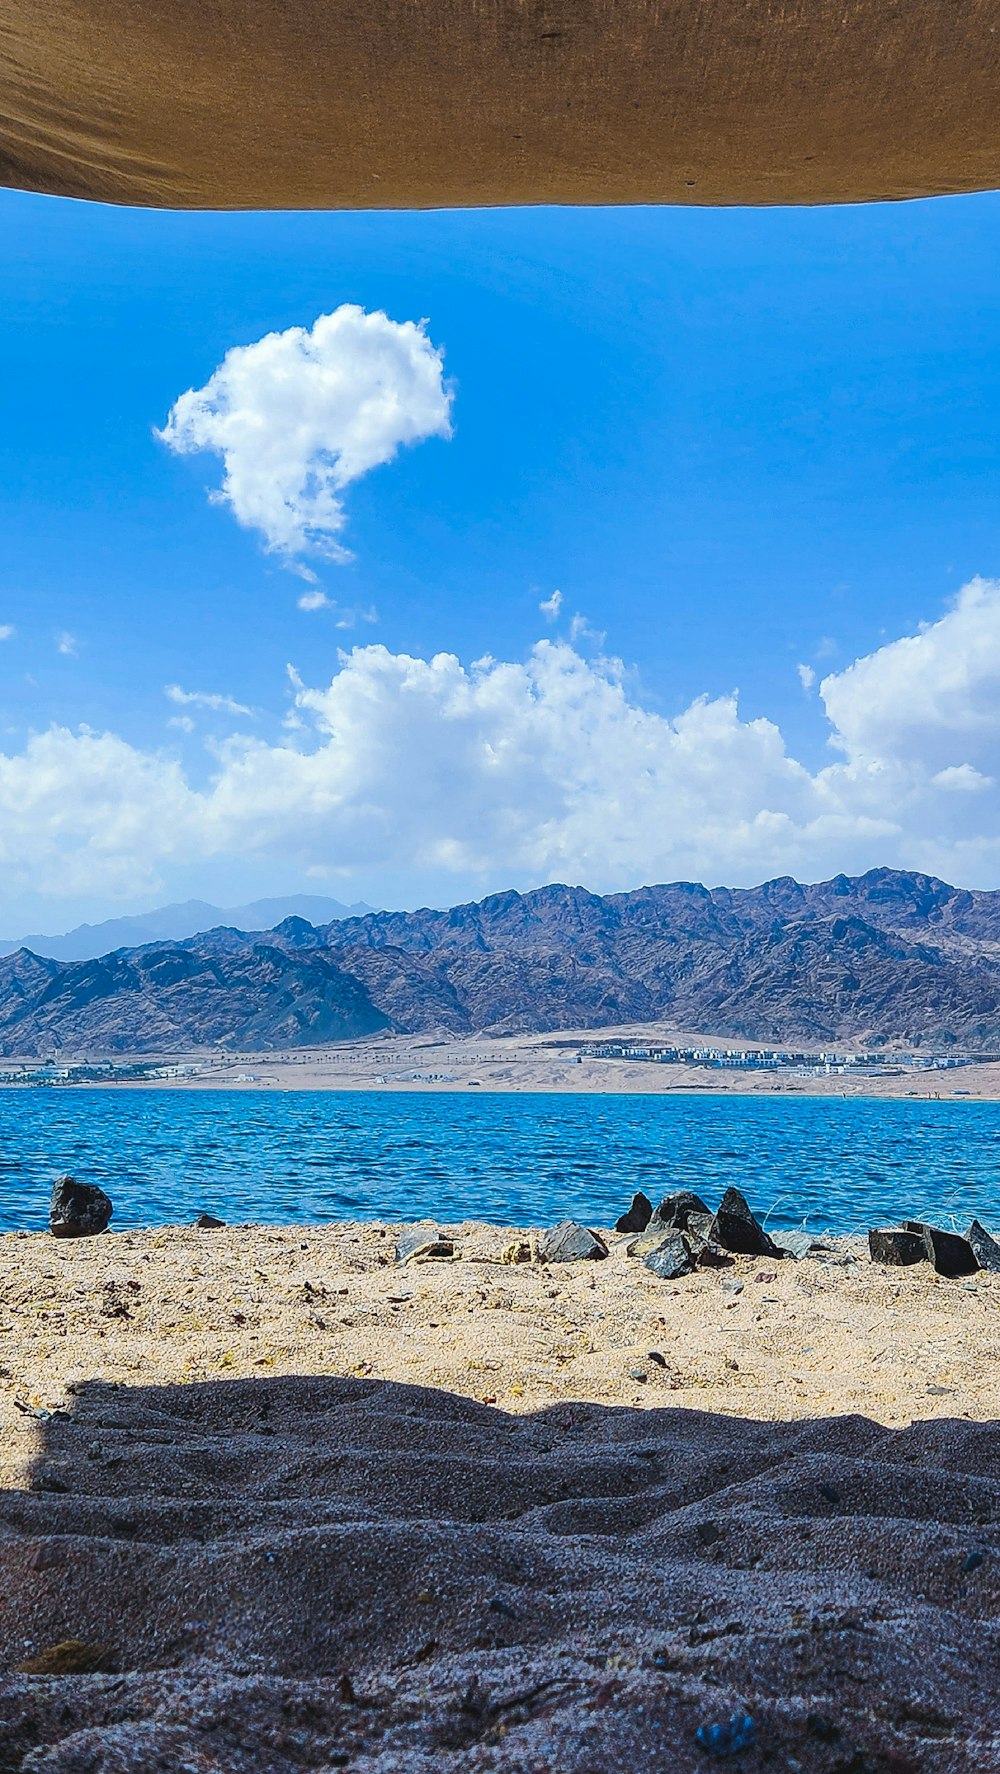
973,1562
656,1358
736,1229
984,1247
569,1242
518,1251
896,1247
730,1738
638,1217
78,1210
639,1374
207,1222
423,1243
72,1656
950,1254
670,1257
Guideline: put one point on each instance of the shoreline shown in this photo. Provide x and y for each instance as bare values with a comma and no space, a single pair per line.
522,1065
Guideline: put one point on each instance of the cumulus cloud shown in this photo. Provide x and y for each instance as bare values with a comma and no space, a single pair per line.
453,778
301,414
205,699
807,677
933,695
551,606
7,631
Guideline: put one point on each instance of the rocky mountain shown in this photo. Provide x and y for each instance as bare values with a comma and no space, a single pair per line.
887,956
170,923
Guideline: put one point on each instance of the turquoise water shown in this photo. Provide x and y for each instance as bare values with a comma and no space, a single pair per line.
523,1160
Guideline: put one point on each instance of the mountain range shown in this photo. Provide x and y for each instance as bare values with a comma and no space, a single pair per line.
888,956
175,922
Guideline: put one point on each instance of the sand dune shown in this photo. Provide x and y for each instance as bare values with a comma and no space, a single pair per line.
309,1510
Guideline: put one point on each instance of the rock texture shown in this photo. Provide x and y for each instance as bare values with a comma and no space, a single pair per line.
78,1210
885,956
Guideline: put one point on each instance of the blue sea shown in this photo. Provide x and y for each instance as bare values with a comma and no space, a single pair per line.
311,1156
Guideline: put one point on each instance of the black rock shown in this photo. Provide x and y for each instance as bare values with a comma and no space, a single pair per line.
670,1257
207,1222
569,1242
78,1210
638,1217
700,1235
890,1245
676,1210
985,1248
736,1229
950,1254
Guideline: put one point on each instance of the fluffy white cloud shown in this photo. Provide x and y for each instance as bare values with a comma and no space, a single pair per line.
448,779
7,631
66,643
934,695
301,414
807,677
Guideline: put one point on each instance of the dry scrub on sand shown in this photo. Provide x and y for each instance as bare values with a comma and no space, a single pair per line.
301,1508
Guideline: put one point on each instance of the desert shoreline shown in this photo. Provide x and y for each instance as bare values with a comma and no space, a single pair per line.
556,1064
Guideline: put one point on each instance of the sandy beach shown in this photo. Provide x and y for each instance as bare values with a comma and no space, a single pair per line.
305,1508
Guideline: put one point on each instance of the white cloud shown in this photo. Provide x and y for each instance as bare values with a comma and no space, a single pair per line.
183,723
66,644
934,695
7,631
316,600
449,779
807,677
551,606
301,414
205,699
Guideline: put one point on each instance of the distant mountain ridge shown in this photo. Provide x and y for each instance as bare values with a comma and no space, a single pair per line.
174,923
885,956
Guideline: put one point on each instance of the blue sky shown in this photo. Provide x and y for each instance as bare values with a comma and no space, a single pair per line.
738,442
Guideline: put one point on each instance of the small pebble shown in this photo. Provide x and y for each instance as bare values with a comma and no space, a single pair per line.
830,1492
637,1373
973,1562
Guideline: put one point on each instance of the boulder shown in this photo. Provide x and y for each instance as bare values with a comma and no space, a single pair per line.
890,1245
78,1210
984,1246
950,1254
422,1243
638,1217
207,1222
670,1257
735,1228
700,1234
569,1242
676,1210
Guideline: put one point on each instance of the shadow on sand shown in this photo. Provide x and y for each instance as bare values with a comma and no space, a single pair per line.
299,1573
